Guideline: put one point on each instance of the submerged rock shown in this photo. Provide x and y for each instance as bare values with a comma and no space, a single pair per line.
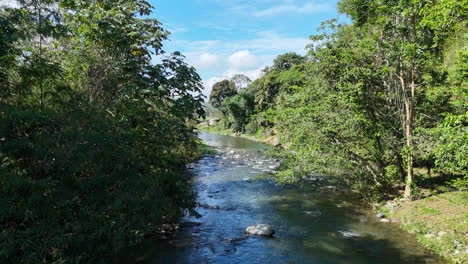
349,234
314,213
206,206
238,240
329,187
189,224
260,230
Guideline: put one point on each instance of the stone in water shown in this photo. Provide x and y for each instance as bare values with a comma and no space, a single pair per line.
260,230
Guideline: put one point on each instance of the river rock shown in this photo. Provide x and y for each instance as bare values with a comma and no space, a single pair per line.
384,220
363,219
213,122
349,234
189,224
314,213
238,240
206,206
260,230
380,215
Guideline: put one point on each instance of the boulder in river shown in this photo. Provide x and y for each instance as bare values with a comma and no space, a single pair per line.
380,215
260,230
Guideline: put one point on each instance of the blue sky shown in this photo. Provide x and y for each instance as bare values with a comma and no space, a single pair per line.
221,38
224,37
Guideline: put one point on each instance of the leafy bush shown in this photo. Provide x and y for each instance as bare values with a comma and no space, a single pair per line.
93,135
460,183
237,111
77,185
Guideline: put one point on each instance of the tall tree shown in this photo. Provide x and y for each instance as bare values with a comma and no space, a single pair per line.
221,91
286,61
241,81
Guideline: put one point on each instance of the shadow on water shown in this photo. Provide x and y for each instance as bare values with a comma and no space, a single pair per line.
312,226
337,228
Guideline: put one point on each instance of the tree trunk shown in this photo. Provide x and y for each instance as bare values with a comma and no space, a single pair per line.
409,172
39,29
400,165
409,104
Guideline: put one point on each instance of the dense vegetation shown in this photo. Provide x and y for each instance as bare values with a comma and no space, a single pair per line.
93,135
372,100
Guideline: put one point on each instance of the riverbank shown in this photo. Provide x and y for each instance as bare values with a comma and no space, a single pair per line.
313,225
439,222
268,138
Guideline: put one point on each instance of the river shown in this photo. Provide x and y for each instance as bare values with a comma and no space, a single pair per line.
312,225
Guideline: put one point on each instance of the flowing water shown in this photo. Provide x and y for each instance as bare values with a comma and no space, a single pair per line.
312,225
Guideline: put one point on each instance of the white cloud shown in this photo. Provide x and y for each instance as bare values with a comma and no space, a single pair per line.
206,61
10,4
209,84
216,60
265,43
242,60
293,9
228,74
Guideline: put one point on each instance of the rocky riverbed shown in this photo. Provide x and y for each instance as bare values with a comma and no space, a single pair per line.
311,225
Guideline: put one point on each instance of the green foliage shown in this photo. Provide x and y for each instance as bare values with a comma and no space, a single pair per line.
372,99
241,81
285,61
221,91
451,151
460,183
78,186
265,90
93,136
237,111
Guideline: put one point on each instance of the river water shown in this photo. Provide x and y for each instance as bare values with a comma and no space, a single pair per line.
312,225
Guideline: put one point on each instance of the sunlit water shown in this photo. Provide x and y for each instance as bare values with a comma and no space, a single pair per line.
312,225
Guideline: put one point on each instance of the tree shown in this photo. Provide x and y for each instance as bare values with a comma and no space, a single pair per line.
241,81
362,105
220,91
94,137
286,61
237,111
406,53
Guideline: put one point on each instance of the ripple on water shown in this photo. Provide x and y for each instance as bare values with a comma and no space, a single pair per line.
312,226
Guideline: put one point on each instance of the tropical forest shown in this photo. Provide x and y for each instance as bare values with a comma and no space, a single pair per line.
126,138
